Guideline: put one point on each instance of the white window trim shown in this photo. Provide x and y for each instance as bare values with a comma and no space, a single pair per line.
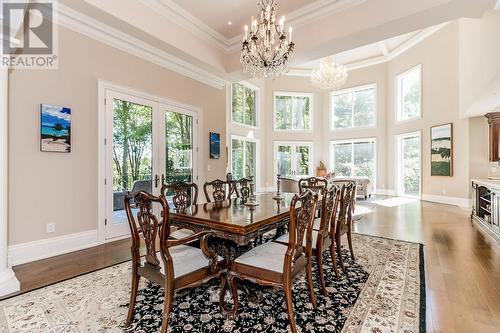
257,155
294,94
257,104
399,138
352,141
309,144
397,98
351,90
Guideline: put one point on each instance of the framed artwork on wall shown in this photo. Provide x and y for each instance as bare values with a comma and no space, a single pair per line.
214,145
442,150
55,128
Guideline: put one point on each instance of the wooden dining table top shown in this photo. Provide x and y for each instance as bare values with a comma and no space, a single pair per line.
232,217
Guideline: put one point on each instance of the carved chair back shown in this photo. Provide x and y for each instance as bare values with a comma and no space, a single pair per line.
329,205
186,194
312,183
347,197
242,187
147,226
302,211
220,190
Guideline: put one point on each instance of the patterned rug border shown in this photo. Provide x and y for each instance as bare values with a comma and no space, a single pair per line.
389,238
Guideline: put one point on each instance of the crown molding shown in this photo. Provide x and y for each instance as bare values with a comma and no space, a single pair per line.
177,14
386,55
92,28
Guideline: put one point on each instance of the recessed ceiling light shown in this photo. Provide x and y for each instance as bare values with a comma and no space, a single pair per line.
229,23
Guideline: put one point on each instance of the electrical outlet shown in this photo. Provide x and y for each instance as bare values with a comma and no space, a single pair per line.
51,227
444,191
209,168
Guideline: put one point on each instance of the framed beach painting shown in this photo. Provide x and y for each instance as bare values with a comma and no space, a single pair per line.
214,145
55,131
442,150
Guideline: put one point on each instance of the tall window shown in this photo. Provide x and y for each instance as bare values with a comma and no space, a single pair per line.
354,158
243,157
354,107
292,111
244,105
409,164
409,94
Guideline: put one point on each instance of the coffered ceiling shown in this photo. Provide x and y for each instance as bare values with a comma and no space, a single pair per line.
193,37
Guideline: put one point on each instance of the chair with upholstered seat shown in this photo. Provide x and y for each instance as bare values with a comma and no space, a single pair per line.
217,190
324,237
179,266
344,221
184,196
275,264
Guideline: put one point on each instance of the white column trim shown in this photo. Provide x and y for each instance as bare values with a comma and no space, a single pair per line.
8,281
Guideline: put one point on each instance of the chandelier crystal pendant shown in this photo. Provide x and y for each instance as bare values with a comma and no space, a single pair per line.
329,75
267,50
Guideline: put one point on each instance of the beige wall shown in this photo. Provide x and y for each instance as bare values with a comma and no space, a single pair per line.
62,188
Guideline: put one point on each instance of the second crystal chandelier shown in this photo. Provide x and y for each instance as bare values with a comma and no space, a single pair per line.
329,75
267,50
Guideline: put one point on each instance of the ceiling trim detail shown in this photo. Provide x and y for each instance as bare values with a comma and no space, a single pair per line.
175,13
90,27
386,54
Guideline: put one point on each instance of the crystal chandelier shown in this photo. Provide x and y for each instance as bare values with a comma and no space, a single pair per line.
266,50
329,75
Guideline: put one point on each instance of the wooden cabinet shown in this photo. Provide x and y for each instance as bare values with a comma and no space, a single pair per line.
486,206
494,123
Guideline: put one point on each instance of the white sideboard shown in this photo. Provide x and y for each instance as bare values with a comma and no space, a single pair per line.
486,205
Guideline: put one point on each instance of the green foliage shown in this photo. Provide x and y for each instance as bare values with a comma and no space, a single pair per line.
243,105
243,159
354,109
411,165
292,112
179,147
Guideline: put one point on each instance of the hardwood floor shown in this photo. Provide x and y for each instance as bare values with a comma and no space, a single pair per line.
462,264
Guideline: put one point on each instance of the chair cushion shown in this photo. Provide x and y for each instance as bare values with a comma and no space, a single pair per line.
284,238
270,256
181,233
186,259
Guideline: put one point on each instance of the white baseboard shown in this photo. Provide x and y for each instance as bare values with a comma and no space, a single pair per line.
385,192
8,282
50,247
461,202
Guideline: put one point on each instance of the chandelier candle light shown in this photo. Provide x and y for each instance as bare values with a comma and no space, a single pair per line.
267,50
329,75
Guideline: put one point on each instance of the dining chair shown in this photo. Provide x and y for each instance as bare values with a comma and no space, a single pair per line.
242,187
323,239
175,266
185,196
344,221
220,190
314,184
275,264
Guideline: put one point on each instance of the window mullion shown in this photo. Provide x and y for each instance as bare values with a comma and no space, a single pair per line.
352,159
352,109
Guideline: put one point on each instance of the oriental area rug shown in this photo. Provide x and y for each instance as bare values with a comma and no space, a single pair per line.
383,290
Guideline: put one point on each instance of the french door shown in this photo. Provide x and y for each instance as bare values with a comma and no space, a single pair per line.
293,158
408,165
147,144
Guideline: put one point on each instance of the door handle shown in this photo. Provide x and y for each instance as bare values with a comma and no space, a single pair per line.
163,179
157,179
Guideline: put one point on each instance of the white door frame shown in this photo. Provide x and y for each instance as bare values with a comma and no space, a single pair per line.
162,103
399,138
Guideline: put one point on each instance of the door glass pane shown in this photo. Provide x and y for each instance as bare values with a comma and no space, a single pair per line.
237,159
364,160
179,147
302,160
250,118
250,151
132,152
284,158
342,153
410,162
